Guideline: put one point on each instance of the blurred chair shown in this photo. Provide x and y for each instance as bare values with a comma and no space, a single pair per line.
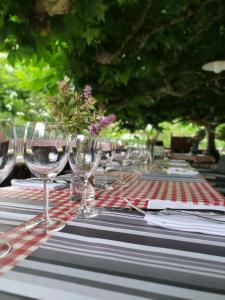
180,144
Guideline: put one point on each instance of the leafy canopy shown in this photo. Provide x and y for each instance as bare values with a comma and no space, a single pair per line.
143,58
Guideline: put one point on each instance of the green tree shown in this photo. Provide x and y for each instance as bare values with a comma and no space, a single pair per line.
143,57
24,88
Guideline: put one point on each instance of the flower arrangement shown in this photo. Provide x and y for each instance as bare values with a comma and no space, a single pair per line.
77,111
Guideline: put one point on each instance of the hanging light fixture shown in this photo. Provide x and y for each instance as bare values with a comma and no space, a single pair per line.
214,66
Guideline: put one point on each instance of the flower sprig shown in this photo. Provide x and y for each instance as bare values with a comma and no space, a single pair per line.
77,110
102,122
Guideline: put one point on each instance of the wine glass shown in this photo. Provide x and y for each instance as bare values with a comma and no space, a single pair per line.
45,154
84,158
158,155
120,156
106,160
132,157
143,158
7,162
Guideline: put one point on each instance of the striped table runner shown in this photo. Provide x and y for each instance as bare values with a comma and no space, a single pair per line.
117,256
114,255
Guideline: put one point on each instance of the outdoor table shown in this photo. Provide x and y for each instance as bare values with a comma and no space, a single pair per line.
198,158
115,255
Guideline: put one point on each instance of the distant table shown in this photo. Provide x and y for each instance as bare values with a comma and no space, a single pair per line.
194,158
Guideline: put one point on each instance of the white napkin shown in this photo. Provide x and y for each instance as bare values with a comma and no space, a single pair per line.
178,164
181,171
183,222
36,184
164,204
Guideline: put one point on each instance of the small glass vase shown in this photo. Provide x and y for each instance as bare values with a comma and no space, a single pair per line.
84,158
82,191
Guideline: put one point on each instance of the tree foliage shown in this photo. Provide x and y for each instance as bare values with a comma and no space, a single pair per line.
23,90
143,57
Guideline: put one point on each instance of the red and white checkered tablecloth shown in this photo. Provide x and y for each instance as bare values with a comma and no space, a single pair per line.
141,191
138,191
24,242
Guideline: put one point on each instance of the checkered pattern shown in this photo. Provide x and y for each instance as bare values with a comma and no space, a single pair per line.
25,242
138,191
56,196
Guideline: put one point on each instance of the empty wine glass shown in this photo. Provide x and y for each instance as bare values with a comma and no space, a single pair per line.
132,157
106,160
120,157
45,154
84,158
158,155
7,162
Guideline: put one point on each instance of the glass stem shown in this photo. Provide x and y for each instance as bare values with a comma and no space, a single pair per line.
121,174
105,178
83,198
46,217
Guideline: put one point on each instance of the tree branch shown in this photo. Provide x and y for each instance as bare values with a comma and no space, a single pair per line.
167,89
108,58
180,19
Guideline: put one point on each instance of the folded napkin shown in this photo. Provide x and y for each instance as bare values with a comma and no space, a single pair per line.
177,161
168,204
98,178
171,177
178,164
181,171
37,184
182,222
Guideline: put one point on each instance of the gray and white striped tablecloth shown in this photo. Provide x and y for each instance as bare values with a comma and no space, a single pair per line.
118,256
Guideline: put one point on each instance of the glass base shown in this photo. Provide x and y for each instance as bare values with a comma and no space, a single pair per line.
88,213
41,225
124,184
106,187
93,212
5,248
109,188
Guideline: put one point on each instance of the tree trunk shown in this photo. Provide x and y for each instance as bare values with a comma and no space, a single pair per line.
210,136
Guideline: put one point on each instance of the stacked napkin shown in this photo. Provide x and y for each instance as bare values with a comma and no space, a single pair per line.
179,220
37,184
177,161
178,164
157,204
182,171
171,177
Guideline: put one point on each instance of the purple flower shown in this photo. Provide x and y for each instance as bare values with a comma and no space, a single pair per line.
94,129
87,91
105,122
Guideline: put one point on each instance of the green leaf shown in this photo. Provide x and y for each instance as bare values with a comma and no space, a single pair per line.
91,34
